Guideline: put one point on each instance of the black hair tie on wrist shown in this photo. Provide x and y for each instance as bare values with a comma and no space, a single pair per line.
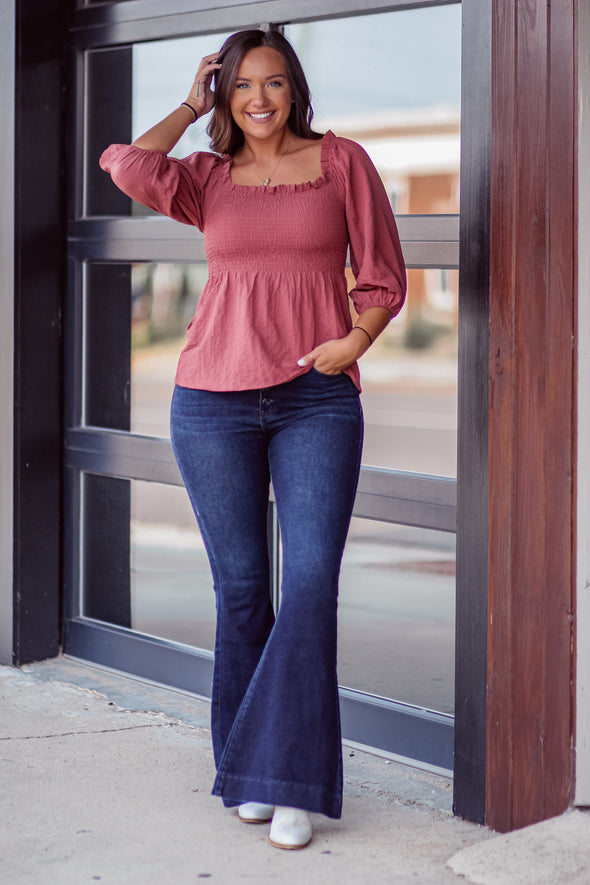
360,328
191,108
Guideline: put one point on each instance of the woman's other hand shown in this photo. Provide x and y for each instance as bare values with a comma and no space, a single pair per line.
332,357
201,97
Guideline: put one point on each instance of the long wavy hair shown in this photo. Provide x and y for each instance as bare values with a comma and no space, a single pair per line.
226,136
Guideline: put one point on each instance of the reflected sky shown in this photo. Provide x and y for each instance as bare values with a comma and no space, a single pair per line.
406,59
395,60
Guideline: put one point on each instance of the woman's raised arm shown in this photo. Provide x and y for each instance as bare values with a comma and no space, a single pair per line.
200,100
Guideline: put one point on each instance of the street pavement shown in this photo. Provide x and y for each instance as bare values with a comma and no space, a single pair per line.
107,779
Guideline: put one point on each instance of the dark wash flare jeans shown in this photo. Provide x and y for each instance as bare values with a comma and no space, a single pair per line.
275,712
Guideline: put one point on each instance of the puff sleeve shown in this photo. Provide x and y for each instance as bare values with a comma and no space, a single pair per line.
375,252
169,186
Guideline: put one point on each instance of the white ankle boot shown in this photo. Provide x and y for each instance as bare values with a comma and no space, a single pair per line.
290,828
255,812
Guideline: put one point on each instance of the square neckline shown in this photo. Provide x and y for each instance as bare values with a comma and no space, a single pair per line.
287,187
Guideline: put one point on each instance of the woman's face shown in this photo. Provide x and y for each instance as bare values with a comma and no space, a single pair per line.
261,102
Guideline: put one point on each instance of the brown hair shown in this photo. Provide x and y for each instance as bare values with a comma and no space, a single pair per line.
226,136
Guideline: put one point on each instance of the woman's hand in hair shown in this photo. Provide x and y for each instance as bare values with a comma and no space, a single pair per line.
201,97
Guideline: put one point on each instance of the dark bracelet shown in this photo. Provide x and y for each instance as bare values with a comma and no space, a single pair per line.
191,108
360,328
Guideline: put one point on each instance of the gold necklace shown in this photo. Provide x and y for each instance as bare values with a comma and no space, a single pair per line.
266,181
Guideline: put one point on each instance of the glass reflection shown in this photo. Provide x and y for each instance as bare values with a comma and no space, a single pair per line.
164,298
405,111
144,565
171,586
409,379
397,614
163,72
135,321
409,375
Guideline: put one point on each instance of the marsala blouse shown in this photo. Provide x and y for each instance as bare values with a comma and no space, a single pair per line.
276,255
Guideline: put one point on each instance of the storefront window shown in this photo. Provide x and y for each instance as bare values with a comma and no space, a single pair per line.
397,614
144,564
400,99
135,319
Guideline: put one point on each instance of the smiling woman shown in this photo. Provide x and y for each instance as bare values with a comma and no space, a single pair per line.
268,386
261,106
260,69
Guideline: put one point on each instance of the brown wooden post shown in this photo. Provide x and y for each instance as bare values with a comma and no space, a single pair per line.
532,415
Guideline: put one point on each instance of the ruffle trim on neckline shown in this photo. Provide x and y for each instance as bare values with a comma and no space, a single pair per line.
270,189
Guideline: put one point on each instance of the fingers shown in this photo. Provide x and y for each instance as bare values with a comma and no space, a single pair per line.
331,357
201,94
209,64
306,360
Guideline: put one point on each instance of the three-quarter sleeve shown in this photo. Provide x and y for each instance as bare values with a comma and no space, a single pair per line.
169,186
375,252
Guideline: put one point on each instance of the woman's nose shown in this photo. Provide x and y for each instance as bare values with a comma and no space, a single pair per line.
259,96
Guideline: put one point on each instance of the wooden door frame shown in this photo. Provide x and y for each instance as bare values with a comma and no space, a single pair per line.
528,693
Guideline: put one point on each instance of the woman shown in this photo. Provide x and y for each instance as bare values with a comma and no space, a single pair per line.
267,387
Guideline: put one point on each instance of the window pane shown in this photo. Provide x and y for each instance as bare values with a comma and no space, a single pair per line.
409,379
135,321
405,111
128,90
404,108
163,73
397,614
171,585
144,564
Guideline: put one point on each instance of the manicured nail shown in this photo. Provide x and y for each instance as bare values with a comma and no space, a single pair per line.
301,362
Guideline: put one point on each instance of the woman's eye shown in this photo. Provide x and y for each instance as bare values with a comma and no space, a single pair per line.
242,86
276,83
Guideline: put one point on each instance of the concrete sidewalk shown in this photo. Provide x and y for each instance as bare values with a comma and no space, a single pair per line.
105,778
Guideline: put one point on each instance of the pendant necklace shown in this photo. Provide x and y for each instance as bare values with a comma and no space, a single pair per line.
266,181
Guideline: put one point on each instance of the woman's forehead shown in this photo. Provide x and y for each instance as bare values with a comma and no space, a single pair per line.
263,61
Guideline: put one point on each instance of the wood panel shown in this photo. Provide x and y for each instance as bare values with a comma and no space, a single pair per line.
529,695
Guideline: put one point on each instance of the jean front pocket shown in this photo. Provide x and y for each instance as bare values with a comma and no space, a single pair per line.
326,374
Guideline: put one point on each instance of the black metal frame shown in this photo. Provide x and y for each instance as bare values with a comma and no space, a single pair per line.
472,494
38,258
139,20
7,290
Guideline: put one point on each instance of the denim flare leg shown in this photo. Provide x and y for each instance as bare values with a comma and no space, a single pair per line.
275,712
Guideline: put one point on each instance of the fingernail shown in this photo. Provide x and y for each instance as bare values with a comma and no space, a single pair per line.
301,362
